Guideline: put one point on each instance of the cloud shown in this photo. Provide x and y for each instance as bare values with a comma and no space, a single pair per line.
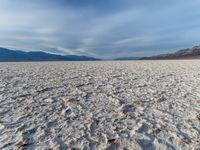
103,28
64,51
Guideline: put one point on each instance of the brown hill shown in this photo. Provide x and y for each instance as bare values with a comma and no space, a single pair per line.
189,53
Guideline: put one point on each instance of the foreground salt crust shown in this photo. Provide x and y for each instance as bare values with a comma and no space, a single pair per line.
100,105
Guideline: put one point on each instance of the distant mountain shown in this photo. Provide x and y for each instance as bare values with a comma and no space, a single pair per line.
11,55
127,58
189,53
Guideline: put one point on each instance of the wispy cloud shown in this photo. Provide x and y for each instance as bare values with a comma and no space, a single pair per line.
105,29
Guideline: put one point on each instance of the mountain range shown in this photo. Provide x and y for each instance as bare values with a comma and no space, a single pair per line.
188,53
16,55
7,55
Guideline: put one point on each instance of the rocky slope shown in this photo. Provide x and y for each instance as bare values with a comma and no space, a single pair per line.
189,53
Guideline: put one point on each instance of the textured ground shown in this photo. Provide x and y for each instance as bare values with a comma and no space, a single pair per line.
100,105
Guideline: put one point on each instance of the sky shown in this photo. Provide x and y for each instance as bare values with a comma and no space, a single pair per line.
100,28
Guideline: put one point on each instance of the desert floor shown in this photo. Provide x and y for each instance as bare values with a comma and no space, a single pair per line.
100,105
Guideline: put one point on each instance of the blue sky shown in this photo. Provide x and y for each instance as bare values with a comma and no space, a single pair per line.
100,28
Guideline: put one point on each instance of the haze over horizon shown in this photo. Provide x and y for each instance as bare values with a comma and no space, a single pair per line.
102,28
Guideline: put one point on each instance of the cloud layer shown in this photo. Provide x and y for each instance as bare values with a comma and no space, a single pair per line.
102,28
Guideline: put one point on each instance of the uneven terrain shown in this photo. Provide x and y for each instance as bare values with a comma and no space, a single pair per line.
130,105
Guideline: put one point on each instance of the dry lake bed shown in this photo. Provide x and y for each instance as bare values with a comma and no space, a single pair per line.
112,105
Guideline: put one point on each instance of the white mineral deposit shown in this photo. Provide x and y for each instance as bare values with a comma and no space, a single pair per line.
111,105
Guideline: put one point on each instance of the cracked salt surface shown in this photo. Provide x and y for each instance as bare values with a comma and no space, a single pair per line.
100,105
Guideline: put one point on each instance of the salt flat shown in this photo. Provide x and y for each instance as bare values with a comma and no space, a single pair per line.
100,105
